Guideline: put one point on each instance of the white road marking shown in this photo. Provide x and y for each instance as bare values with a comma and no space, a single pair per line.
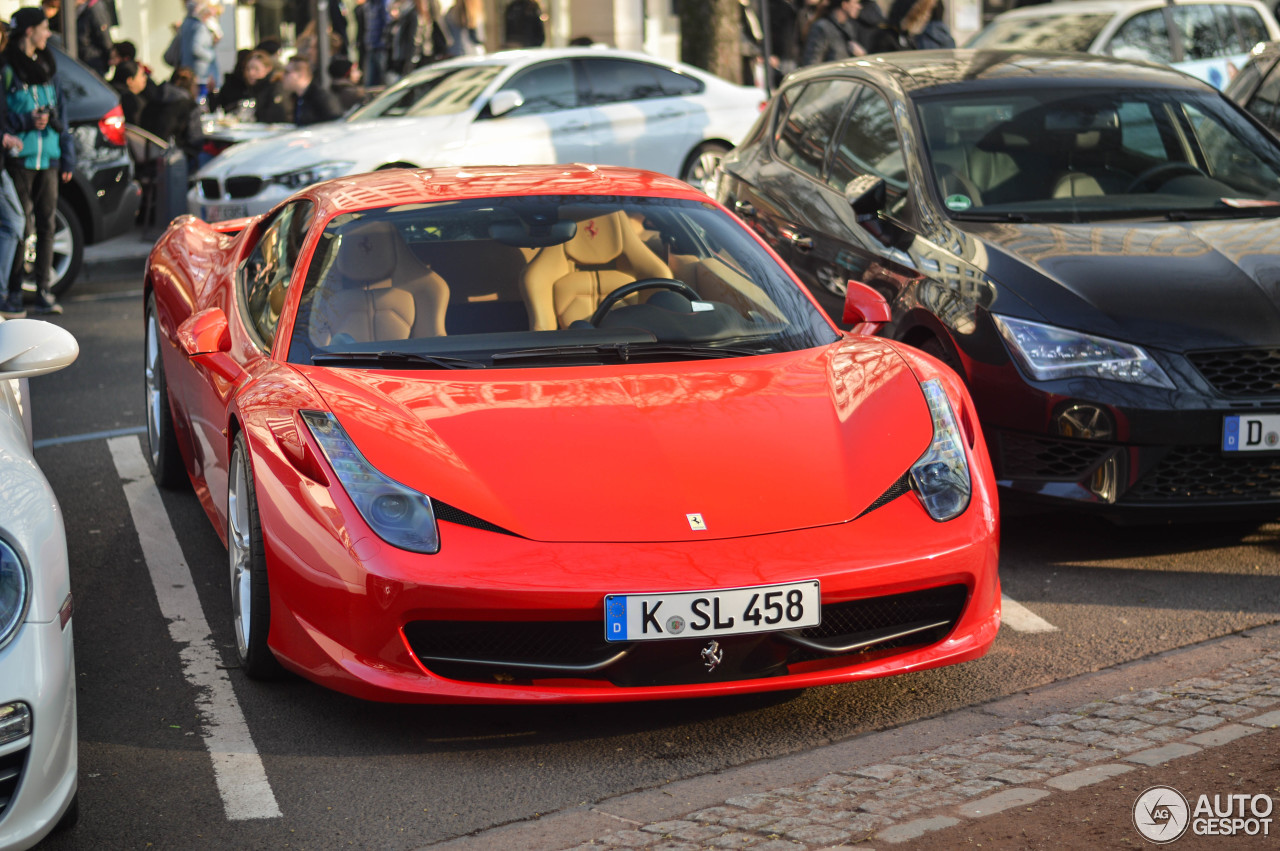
90,435
237,767
1021,619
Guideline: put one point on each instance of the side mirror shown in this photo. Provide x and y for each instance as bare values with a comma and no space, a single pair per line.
30,347
205,339
865,309
505,101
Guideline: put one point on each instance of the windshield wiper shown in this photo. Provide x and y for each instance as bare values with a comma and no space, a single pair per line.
1223,212
398,359
624,352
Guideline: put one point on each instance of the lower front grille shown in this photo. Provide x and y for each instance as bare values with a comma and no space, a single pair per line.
210,189
1199,474
1023,456
484,651
1241,373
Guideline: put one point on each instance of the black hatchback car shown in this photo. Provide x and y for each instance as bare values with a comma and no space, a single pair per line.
1093,244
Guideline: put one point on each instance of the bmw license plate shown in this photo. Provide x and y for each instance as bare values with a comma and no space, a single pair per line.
225,212
693,614
1251,433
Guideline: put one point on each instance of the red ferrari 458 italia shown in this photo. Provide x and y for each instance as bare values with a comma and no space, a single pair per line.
558,433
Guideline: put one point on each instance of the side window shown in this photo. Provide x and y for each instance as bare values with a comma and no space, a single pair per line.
675,84
1265,104
545,88
264,276
619,80
868,144
1144,36
811,122
1207,31
1252,29
1138,130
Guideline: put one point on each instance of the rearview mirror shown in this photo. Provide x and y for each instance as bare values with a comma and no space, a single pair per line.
30,347
865,309
505,101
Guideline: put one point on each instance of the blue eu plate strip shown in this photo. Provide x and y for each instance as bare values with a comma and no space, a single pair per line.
1231,434
615,618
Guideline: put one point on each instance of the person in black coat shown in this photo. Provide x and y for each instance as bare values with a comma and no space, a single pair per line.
832,36
129,79
93,43
314,103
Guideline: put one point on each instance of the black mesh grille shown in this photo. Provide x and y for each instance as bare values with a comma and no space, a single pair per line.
210,189
1241,373
243,187
1026,457
449,514
897,489
11,767
676,660
1196,474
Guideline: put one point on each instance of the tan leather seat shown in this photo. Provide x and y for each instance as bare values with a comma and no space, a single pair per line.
566,282
378,290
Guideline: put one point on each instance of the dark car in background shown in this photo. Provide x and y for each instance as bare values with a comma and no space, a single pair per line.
1257,86
101,200
1091,243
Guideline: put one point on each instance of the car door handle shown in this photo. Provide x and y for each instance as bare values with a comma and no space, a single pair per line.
670,115
575,128
743,209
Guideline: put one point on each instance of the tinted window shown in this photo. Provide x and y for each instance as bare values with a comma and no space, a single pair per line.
433,92
1207,32
617,80
264,277
675,84
1266,103
811,122
1252,29
545,88
1144,36
868,144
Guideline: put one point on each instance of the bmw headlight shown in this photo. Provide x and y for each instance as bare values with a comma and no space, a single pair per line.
941,476
13,593
1046,352
311,174
400,515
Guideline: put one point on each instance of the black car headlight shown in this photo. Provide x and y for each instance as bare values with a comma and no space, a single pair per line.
13,593
941,477
1046,352
400,515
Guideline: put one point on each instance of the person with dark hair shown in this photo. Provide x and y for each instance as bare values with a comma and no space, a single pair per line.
13,221
524,24
313,103
53,11
832,36
174,116
93,43
233,87
129,79
342,83
38,117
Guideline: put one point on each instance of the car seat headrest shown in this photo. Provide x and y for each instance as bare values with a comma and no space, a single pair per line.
368,252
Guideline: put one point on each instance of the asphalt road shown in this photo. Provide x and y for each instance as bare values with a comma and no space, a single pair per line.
350,774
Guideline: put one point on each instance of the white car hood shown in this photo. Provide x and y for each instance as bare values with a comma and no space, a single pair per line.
368,144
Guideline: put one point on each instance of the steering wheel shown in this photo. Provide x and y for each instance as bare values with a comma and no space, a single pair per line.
1166,171
636,286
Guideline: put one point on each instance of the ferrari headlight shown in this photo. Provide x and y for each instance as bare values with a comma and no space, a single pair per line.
400,515
941,476
13,593
1046,352
311,174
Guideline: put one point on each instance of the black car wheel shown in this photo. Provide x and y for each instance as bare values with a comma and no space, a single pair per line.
68,251
700,168
162,441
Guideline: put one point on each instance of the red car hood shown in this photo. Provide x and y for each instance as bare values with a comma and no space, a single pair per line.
625,453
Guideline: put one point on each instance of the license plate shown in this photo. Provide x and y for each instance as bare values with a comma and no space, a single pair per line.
225,212
732,611
1251,433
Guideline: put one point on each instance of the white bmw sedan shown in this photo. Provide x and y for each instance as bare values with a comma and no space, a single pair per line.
592,105
37,677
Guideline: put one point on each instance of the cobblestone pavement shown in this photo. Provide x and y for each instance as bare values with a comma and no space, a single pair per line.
909,796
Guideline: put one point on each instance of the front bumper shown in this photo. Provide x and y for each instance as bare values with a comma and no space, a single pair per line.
37,669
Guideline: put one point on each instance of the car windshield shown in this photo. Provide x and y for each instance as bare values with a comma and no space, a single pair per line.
1060,154
439,91
545,280
1072,31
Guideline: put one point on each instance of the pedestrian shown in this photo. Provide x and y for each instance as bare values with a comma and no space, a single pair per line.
358,15
313,103
198,36
524,24
129,79
377,26
37,116
93,39
53,11
173,115
465,24
832,36
920,24
13,221
343,83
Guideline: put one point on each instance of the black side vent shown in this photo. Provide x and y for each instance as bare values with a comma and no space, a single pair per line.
449,514
897,489
11,766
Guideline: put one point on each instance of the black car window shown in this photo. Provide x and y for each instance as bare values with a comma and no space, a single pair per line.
810,124
1266,103
264,276
868,144
618,80
1207,32
1144,36
546,87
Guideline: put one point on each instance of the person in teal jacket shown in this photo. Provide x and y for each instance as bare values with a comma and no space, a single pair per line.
37,117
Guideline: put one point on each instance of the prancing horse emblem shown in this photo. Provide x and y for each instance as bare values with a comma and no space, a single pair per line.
712,655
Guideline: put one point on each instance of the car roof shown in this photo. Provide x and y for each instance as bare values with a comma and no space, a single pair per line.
508,58
917,70
395,187
1086,7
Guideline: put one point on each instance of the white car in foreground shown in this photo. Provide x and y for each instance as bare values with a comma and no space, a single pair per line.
592,105
37,672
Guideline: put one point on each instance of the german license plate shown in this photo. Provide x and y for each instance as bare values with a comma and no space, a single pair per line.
1251,433
692,614
225,212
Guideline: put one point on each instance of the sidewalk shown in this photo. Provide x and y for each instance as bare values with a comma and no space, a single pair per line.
122,257
996,770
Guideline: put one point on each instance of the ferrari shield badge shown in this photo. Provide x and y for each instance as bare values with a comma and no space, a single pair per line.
696,523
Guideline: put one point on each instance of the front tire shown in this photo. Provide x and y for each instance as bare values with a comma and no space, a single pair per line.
162,441
700,168
250,591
